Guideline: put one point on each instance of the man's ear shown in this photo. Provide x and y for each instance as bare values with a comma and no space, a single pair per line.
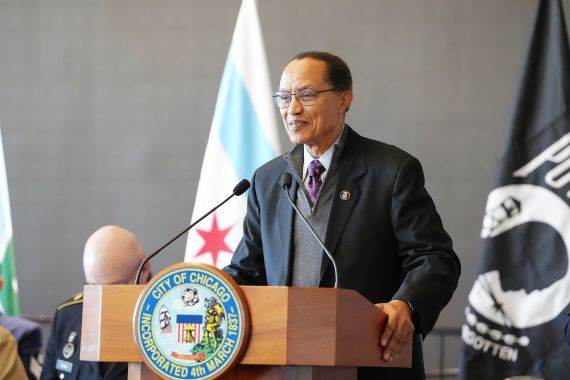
345,100
146,275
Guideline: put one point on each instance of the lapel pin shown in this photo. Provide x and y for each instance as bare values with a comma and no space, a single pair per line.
345,195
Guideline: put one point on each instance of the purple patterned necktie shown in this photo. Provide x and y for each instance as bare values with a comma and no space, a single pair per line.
313,182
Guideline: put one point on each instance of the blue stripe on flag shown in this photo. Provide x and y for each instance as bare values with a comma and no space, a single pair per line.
240,130
188,318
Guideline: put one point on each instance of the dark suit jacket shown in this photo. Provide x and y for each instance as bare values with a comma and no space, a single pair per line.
387,238
66,327
28,334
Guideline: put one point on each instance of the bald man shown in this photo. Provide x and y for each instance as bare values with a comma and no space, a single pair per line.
111,256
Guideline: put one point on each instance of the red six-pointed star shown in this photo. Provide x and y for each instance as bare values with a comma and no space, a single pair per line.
214,240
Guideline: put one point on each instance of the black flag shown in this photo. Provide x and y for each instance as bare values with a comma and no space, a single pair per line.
517,307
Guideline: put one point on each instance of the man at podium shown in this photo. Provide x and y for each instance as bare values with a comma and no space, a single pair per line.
112,255
365,200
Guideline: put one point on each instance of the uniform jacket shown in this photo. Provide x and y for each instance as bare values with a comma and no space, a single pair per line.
28,334
387,237
62,352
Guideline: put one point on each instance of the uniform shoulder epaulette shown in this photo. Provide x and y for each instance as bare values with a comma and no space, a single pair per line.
78,298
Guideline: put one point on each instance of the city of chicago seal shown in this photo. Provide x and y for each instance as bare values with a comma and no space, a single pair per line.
191,322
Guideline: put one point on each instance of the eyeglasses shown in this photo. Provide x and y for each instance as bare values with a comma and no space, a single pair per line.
306,97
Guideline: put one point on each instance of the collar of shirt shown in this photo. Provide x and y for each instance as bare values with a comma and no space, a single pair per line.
325,159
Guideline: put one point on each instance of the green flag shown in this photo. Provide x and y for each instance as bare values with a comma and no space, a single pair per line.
9,293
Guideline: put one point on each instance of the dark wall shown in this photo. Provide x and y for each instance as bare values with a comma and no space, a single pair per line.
106,106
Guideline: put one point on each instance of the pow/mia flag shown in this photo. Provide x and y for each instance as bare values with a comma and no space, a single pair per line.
517,307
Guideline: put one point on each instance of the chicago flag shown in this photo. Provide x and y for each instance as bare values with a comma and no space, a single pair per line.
243,137
514,321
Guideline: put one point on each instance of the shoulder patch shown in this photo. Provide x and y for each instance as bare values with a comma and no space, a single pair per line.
78,298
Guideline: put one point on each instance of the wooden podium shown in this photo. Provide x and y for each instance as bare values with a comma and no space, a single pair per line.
296,333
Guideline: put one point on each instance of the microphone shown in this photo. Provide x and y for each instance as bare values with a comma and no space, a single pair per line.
285,182
238,190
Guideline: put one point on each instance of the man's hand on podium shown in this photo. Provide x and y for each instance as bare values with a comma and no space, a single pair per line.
399,328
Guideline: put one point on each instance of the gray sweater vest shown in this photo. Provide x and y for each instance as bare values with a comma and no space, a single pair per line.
308,254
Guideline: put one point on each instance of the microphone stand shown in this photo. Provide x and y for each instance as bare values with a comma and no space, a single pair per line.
240,188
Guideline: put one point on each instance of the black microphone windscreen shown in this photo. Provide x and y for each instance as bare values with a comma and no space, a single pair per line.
241,187
286,180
